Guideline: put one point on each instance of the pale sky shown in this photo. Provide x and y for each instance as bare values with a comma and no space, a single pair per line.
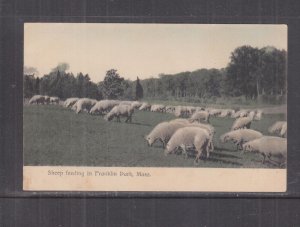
143,50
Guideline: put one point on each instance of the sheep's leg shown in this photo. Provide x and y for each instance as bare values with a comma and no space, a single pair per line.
183,147
198,156
264,159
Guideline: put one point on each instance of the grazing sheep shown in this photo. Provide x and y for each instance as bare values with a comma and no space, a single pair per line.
240,136
240,113
189,137
103,106
225,113
242,122
70,102
201,115
170,109
120,111
54,100
145,106
158,108
84,104
38,99
276,127
258,115
163,132
181,111
181,120
283,131
136,104
47,99
214,112
269,146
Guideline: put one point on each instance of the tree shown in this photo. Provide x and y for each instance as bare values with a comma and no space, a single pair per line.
37,86
139,91
111,86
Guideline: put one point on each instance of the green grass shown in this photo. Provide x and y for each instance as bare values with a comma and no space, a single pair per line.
54,135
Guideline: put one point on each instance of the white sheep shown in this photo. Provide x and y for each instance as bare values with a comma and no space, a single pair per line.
258,115
225,113
145,106
268,147
103,106
242,122
54,100
136,104
47,99
240,136
170,109
276,127
120,111
158,108
84,104
38,99
69,102
283,132
163,132
189,137
201,115
181,111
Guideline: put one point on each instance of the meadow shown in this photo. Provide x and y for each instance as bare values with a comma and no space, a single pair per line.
56,136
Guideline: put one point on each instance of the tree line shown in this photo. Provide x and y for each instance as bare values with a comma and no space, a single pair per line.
252,73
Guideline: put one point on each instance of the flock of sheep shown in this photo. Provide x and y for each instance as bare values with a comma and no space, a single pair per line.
191,130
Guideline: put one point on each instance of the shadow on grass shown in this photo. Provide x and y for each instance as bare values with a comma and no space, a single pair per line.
222,155
212,159
137,123
223,149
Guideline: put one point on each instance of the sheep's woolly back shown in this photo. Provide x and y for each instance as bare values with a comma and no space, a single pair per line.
145,106
180,120
283,131
120,110
185,136
241,123
36,98
70,102
269,145
197,116
84,103
104,105
276,127
241,135
163,131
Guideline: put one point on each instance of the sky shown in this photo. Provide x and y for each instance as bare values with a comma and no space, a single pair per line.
143,50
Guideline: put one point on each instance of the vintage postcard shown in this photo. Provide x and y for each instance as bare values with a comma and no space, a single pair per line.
155,107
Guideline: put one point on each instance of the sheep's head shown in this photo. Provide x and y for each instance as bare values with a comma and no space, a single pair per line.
247,147
167,149
108,117
149,140
224,138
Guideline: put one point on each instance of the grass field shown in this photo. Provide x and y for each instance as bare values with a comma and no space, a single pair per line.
53,135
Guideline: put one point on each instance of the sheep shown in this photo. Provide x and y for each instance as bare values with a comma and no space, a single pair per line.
136,104
163,132
38,99
283,131
189,137
214,112
103,106
181,111
240,113
181,120
157,108
145,106
276,127
243,122
47,99
120,111
84,104
210,129
54,100
268,146
201,115
258,115
70,102
240,136
170,109
225,113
